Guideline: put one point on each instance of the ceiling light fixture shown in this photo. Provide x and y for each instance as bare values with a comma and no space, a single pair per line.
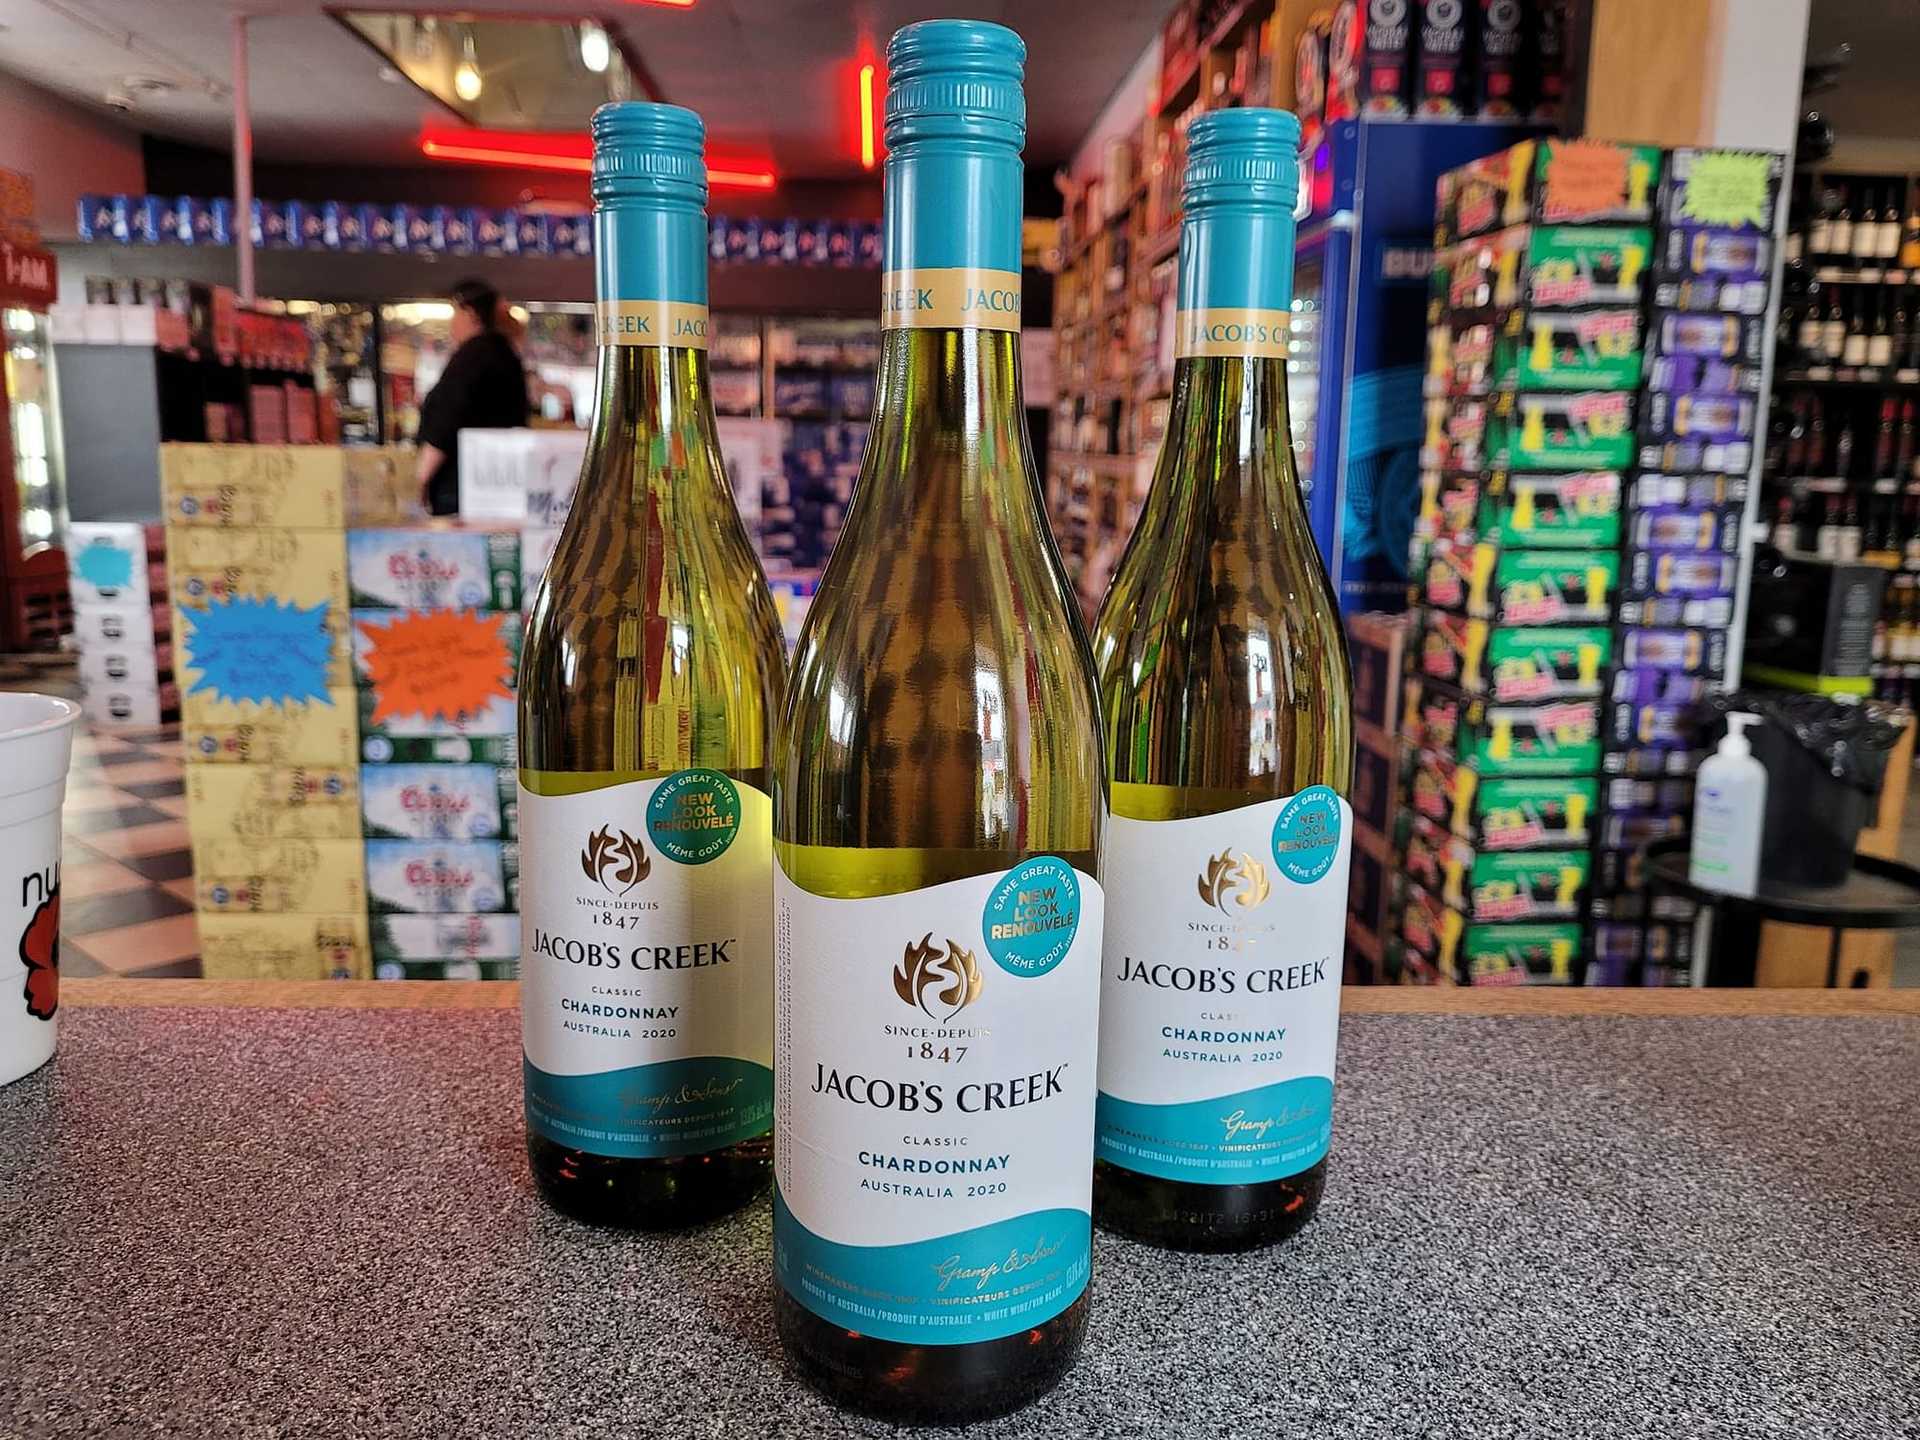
596,49
866,117
570,152
467,82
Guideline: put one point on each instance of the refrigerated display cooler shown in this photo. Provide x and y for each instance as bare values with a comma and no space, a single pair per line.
1358,346
34,606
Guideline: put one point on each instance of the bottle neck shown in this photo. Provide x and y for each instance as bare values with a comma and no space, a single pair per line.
651,316
1229,426
950,308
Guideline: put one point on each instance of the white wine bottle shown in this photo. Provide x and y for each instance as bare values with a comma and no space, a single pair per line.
650,685
1224,685
937,814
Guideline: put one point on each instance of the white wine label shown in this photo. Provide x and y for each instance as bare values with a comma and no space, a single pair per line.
1220,990
652,322
645,958
1232,332
950,298
934,1102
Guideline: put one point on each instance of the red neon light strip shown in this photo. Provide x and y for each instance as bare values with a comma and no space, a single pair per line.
866,117
567,152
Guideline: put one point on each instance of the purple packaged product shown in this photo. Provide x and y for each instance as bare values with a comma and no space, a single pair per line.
743,239
494,230
1733,457
559,233
379,223
1439,74
296,225
1636,760
532,230
1670,945
432,231
816,239
1386,50
404,228
1694,491
179,220
220,212
203,217
120,225
1663,726
344,228
1659,687
1615,871
92,217
583,235
781,243
840,244
1712,252
1677,528
1698,375
144,220
1685,652
717,239
868,250
1649,797
457,226
1712,613
269,224
1615,948
1705,419
1677,205
1707,293
1719,337
1678,573
310,223
1497,68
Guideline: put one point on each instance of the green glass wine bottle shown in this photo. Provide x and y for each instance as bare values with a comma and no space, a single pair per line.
937,815
1224,684
650,685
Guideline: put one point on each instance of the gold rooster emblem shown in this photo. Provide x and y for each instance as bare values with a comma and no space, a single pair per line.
940,983
1243,882
611,862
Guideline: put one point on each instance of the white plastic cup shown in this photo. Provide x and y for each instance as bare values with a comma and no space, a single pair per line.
36,747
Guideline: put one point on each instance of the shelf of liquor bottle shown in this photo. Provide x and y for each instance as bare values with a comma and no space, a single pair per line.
1842,377
1866,275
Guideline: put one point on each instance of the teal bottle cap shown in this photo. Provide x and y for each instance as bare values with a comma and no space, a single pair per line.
956,79
1245,157
643,151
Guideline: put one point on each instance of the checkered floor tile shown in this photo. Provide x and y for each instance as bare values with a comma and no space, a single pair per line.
126,879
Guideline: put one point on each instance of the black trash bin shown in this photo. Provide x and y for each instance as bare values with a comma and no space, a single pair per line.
1825,760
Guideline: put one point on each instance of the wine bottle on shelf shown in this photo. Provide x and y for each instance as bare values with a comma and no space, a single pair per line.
1888,250
1809,342
1884,441
1880,338
1910,246
1833,329
1903,444
1826,537
650,682
1853,350
1820,231
1882,510
1224,683
1843,450
1786,523
1816,452
1847,544
1866,230
938,807
1794,461
1840,241
1910,543
1900,327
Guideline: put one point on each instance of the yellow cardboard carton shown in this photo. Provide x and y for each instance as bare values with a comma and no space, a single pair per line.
273,802
284,947
277,877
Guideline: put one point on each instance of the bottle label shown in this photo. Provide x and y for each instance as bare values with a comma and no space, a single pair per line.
1220,990
1231,332
645,951
651,322
953,297
934,1102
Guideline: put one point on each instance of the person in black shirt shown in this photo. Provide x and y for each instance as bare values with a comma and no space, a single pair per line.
483,387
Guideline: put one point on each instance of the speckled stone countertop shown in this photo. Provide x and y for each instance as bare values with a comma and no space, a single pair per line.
258,1222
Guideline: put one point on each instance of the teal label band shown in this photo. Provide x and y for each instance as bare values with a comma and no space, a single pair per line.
953,205
674,1107
655,253
981,1284
1237,258
1248,1138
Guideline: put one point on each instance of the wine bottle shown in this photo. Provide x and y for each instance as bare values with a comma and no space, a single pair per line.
1843,449
1826,536
650,683
1847,544
1903,444
1853,349
1786,523
1812,347
1840,238
1866,231
1820,231
1833,331
1910,246
938,805
1223,680
1880,338
1888,250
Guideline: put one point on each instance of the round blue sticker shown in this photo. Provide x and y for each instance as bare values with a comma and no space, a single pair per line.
1032,916
1306,834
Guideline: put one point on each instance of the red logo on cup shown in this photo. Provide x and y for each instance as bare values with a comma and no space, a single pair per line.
40,953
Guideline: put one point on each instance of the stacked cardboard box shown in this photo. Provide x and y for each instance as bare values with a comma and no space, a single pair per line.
122,625
1686,506
436,642
257,572
1374,644
1536,355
